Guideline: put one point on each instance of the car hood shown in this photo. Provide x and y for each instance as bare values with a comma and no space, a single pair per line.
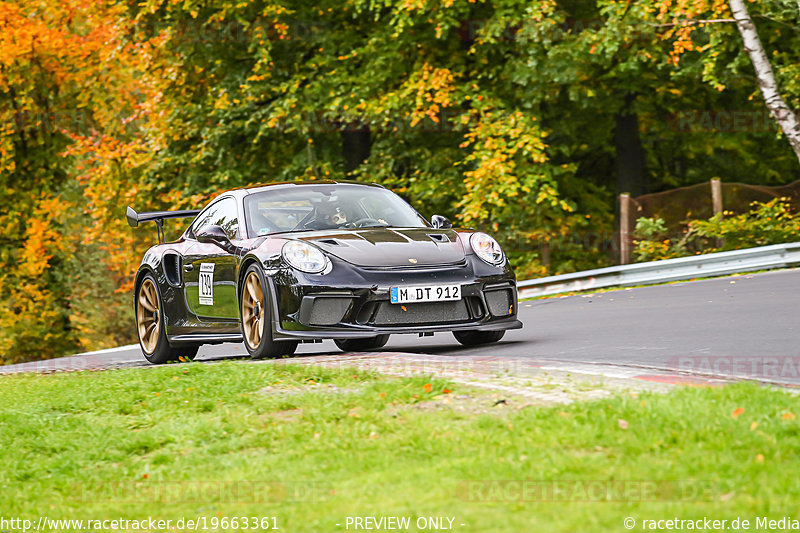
391,247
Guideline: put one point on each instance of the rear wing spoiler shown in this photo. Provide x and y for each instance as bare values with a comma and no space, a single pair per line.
158,217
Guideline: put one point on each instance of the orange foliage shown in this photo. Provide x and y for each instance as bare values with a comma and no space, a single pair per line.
71,84
42,240
32,308
683,17
432,90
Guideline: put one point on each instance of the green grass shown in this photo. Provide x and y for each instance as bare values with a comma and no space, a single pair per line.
169,442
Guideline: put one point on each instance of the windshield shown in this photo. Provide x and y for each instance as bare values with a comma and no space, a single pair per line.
321,207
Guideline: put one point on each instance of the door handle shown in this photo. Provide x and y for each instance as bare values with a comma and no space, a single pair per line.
188,268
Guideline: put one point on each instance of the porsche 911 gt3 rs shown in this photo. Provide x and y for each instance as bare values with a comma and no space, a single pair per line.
279,264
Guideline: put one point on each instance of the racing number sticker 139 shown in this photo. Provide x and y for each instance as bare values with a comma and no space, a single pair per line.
206,286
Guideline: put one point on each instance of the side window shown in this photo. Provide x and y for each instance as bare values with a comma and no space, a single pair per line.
223,214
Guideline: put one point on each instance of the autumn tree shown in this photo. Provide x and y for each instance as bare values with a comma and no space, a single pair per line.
523,118
707,29
66,75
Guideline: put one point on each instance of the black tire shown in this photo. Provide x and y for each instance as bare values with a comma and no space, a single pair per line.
475,338
362,345
256,320
148,312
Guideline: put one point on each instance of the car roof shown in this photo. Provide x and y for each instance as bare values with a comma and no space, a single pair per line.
266,186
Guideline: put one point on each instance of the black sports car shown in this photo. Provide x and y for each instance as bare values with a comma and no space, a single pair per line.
285,263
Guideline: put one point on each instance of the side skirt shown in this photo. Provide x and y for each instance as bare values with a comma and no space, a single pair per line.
205,338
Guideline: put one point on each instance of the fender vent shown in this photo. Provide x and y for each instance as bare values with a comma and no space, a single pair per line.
172,269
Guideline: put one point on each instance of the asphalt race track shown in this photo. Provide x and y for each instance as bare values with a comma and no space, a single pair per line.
746,326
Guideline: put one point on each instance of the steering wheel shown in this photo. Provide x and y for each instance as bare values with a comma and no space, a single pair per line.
364,222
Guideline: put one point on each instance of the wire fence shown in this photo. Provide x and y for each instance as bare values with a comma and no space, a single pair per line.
677,207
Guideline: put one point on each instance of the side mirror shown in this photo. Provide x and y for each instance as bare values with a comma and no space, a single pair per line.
214,235
440,222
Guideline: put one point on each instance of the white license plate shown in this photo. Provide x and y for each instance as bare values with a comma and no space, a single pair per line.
425,293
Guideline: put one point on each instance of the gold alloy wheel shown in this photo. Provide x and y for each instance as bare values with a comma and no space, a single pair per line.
148,316
253,310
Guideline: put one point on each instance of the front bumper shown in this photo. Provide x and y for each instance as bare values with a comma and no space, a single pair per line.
353,302
323,333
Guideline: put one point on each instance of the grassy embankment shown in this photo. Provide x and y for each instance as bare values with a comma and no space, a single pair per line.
320,445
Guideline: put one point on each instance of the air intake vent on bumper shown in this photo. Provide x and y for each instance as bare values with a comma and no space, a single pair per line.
500,302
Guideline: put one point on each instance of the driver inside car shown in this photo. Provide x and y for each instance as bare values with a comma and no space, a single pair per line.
329,216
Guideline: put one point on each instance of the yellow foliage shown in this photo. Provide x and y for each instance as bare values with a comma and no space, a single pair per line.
500,142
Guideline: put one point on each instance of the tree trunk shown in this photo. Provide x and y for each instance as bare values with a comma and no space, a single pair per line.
629,151
356,146
784,116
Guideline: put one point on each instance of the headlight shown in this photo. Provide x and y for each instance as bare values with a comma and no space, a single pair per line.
304,257
486,248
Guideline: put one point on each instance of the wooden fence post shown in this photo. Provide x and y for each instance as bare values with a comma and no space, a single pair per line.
716,202
624,229
716,195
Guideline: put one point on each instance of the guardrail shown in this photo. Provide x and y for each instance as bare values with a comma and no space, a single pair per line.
682,268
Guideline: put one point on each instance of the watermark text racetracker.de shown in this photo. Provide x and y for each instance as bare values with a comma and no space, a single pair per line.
757,523
196,523
753,367
587,490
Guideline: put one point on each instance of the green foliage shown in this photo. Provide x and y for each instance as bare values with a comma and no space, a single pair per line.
774,222
651,241
650,229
